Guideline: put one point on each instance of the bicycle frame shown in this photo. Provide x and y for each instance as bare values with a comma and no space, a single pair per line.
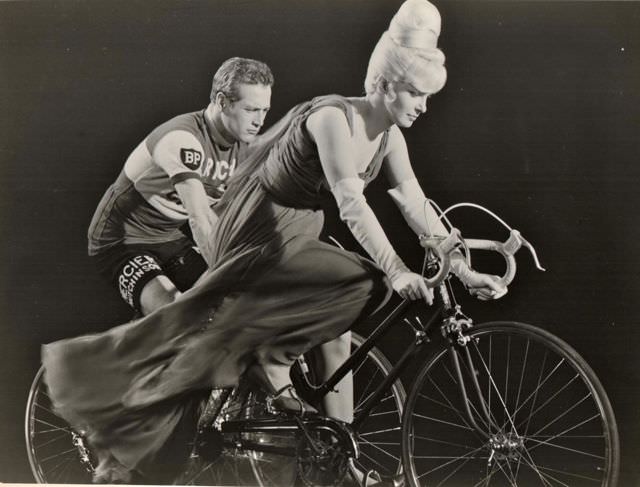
453,323
451,330
360,354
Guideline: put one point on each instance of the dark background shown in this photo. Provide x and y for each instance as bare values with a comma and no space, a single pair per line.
539,121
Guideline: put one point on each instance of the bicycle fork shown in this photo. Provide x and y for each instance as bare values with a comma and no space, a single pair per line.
501,444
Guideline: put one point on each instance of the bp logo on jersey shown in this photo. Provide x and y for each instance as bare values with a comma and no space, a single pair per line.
191,158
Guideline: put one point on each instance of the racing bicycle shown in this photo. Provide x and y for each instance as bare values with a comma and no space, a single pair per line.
498,403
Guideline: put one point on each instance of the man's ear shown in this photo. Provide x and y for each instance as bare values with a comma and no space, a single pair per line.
221,100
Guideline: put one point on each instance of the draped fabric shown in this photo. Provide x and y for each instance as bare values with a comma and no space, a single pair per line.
274,292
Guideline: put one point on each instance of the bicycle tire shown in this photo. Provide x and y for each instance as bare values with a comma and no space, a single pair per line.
55,450
549,419
380,436
53,456
379,439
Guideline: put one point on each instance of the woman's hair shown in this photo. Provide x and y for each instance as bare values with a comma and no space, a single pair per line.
237,70
407,51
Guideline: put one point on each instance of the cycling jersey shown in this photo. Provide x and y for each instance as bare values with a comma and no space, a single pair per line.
142,205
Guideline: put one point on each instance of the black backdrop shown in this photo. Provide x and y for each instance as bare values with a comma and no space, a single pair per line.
539,121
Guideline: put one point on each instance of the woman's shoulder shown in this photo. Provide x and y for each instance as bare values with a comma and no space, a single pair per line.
331,109
334,100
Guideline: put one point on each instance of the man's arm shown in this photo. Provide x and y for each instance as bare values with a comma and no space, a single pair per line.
181,156
202,219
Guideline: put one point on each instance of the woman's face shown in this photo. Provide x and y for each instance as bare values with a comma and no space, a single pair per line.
405,103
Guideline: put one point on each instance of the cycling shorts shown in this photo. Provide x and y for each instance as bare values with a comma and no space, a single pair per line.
130,267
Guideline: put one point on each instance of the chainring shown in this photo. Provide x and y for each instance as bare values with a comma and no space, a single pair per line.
322,460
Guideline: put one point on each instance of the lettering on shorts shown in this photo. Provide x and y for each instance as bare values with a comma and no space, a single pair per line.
191,158
132,272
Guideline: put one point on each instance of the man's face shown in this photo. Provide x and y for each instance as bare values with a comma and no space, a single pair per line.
244,117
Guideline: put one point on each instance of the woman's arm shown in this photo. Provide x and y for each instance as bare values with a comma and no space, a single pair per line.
421,216
331,132
405,189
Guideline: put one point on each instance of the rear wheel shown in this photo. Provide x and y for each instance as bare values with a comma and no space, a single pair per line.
57,453
379,438
542,418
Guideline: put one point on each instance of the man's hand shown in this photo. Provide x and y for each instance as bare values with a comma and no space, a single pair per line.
410,285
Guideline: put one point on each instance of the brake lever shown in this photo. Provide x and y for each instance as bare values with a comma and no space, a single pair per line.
515,241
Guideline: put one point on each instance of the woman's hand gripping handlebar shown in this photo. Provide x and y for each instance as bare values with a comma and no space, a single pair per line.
507,249
447,251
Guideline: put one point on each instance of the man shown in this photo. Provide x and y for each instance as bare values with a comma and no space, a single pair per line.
175,175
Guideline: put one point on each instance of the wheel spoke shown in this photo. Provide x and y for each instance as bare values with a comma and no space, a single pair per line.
561,447
39,446
470,402
450,406
548,423
560,416
540,407
442,442
492,385
376,432
436,420
382,450
466,457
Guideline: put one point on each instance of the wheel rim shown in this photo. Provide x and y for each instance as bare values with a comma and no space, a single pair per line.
380,436
549,422
57,454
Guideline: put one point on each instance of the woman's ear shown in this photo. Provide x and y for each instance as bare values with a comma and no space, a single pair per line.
386,87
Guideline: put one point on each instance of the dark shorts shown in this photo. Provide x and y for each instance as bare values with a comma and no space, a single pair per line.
131,267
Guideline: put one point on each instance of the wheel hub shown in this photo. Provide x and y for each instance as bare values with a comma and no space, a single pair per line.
209,444
83,451
505,446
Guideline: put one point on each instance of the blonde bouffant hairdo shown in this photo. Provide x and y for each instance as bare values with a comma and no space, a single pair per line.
407,51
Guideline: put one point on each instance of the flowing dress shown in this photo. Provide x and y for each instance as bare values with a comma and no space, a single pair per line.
274,292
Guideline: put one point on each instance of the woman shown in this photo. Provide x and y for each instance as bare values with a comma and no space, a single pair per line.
275,290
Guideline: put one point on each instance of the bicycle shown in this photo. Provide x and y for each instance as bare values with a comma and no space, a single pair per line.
500,403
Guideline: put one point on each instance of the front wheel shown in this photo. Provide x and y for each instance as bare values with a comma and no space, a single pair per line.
514,405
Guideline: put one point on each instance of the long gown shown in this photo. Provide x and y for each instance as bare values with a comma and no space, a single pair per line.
274,292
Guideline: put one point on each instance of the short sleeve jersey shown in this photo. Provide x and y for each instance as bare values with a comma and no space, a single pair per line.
142,205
